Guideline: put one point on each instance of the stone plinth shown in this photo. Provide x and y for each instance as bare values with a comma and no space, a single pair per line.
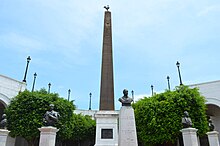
106,128
48,136
127,127
189,137
5,138
213,138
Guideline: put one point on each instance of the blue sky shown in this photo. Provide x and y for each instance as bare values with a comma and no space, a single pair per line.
64,40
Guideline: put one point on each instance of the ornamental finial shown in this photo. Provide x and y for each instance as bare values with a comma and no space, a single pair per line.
107,7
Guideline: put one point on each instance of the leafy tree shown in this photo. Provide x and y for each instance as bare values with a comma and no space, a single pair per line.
65,123
84,127
158,118
26,110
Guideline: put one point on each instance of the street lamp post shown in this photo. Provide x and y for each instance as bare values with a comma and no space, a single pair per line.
152,90
25,74
90,101
168,81
35,75
178,67
69,94
49,85
132,93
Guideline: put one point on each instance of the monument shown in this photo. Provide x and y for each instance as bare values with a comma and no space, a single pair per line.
186,120
3,123
51,117
211,126
48,132
107,79
127,126
189,133
106,117
212,135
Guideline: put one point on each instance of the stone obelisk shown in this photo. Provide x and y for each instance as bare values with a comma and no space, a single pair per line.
107,79
106,117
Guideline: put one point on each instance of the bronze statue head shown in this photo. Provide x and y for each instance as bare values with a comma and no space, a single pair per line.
3,116
125,92
51,106
186,114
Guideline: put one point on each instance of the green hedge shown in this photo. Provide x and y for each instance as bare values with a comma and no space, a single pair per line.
158,118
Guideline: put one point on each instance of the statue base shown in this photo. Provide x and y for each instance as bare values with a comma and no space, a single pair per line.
5,139
213,138
127,127
189,137
48,136
106,128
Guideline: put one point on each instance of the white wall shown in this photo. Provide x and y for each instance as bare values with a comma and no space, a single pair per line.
211,91
9,88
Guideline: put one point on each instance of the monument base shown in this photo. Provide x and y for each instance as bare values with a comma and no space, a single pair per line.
213,138
190,137
3,136
48,136
106,128
5,139
127,127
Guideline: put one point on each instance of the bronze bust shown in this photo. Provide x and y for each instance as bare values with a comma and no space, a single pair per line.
51,117
125,100
186,120
211,126
3,123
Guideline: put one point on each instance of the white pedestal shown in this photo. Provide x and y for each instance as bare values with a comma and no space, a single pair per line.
213,138
189,137
3,137
127,127
48,136
106,128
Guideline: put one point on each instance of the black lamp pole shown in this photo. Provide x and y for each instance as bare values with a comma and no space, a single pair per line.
25,74
90,101
35,75
49,85
132,93
152,90
168,81
69,94
178,67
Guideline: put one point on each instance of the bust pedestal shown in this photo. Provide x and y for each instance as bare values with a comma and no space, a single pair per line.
3,136
189,137
213,138
5,139
48,136
127,127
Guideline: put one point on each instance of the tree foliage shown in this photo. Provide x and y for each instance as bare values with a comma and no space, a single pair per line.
158,118
26,110
85,127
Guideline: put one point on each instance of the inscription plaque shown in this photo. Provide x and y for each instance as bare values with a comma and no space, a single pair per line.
107,134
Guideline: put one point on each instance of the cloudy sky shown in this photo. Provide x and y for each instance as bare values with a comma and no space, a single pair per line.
64,40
